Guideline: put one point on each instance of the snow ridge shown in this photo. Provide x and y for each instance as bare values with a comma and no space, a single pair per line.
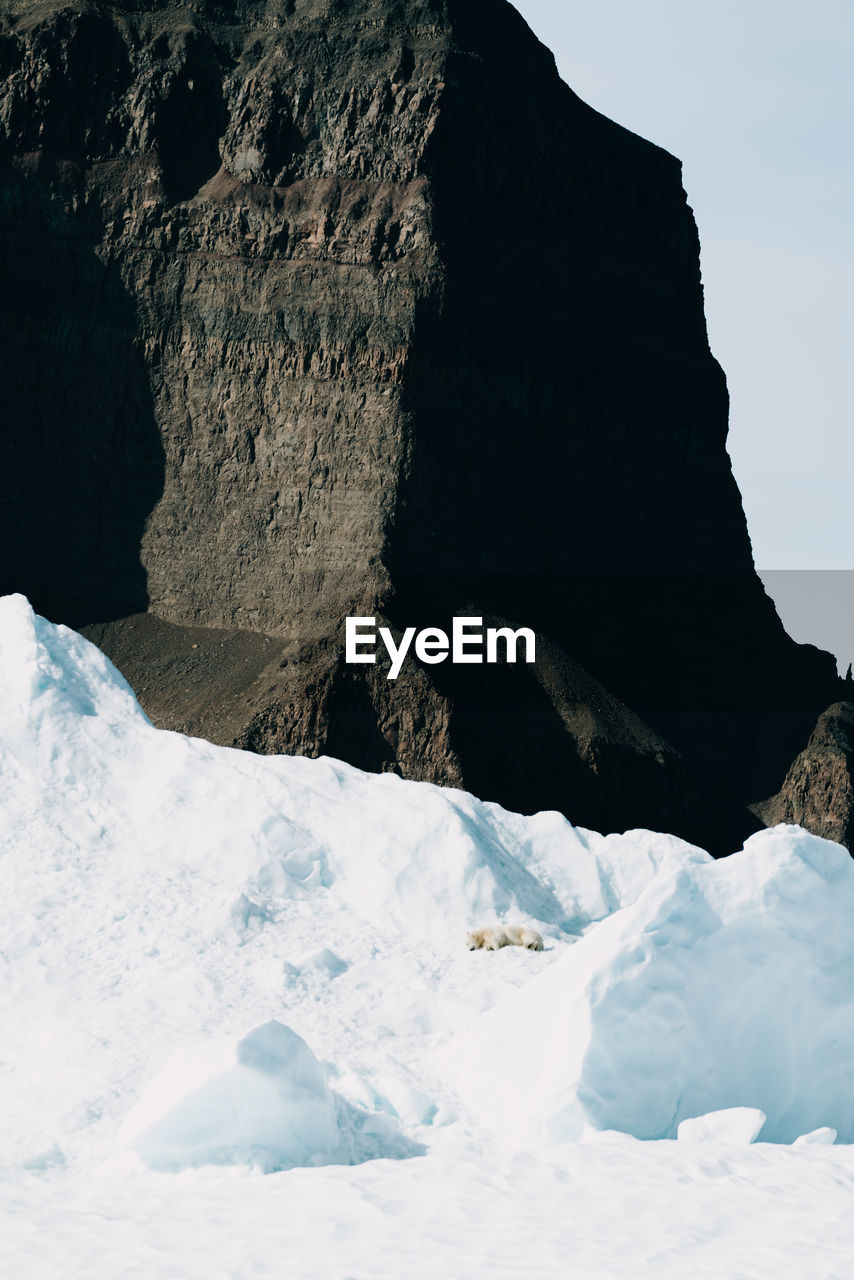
209,959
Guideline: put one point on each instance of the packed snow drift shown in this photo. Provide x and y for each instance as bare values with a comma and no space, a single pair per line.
213,959
257,1099
726,984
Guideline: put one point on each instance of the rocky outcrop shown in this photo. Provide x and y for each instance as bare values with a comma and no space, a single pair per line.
818,791
324,308
529,737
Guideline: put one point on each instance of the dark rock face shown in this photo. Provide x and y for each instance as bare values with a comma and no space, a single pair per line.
531,737
818,791
324,308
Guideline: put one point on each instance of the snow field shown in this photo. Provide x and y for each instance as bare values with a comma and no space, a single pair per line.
215,965
599,1210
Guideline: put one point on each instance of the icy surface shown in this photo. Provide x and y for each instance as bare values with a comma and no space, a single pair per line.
736,1126
215,965
725,984
260,1099
824,1137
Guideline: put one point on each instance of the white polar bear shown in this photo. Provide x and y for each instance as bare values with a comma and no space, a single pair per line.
493,937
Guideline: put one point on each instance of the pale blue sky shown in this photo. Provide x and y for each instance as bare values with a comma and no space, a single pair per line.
756,97
757,100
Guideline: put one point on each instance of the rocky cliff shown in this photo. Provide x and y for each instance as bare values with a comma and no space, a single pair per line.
323,307
818,790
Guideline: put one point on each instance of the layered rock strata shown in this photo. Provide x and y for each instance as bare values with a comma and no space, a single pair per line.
318,308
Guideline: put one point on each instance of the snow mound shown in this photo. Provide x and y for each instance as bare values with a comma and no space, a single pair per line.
158,888
323,962
160,891
823,1137
425,860
726,984
735,1126
260,1099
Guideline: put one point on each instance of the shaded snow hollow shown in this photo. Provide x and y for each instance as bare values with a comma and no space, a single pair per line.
215,957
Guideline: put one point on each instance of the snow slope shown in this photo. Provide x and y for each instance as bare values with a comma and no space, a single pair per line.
228,965
726,984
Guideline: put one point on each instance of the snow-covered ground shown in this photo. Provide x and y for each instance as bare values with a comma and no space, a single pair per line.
241,1034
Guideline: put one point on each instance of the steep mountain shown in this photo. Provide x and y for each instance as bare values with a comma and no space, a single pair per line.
329,307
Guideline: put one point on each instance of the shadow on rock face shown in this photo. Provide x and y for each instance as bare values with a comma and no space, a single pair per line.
82,460
191,118
354,734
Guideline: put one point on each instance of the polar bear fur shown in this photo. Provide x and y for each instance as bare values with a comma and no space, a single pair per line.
494,937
